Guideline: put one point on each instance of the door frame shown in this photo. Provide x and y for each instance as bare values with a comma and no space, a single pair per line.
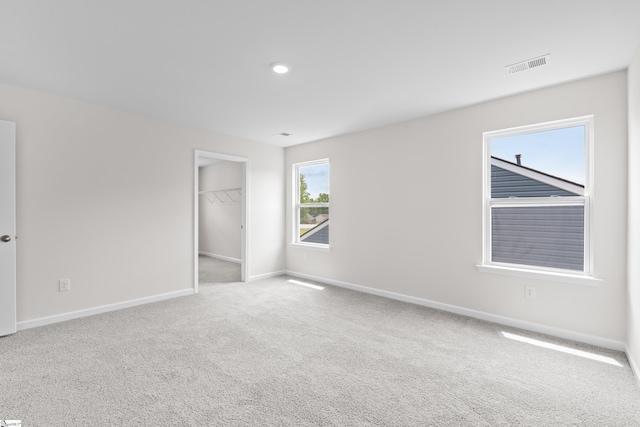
8,281
244,233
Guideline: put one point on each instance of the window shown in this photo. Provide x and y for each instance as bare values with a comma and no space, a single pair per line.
311,188
537,197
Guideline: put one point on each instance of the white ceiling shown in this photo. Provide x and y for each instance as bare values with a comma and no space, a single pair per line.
357,64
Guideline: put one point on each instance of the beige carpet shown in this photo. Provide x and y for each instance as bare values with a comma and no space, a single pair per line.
275,353
214,270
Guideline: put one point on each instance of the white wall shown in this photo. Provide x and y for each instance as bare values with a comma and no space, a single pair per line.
406,209
219,231
633,294
105,198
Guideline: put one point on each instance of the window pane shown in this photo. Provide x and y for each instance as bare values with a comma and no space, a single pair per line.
314,183
539,164
544,236
314,225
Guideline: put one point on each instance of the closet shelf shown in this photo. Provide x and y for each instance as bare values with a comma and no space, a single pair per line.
225,196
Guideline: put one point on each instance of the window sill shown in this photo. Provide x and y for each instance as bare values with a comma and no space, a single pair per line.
320,248
577,279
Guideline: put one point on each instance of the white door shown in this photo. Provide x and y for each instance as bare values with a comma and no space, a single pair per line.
7,228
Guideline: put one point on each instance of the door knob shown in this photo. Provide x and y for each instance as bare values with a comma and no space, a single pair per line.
5,238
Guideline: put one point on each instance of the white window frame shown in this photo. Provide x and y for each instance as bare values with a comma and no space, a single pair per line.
297,205
538,272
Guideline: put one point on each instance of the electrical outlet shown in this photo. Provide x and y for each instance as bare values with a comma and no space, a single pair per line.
65,285
530,292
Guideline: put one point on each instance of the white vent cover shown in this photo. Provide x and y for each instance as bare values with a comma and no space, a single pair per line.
529,63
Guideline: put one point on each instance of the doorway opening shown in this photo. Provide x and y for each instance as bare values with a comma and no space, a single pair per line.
220,212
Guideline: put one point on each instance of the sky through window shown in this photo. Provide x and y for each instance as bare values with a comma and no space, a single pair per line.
557,152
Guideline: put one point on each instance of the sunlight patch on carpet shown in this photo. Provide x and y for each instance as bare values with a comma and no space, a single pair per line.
562,349
308,285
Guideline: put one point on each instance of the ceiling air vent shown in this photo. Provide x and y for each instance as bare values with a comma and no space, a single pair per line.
529,63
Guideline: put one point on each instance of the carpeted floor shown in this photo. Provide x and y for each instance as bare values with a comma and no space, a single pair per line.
276,353
214,270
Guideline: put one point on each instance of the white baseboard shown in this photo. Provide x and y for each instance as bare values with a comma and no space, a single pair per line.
632,363
41,321
267,275
507,321
222,257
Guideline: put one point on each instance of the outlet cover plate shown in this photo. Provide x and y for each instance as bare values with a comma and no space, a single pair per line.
530,292
64,285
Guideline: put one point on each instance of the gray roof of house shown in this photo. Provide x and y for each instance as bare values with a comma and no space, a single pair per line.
318,234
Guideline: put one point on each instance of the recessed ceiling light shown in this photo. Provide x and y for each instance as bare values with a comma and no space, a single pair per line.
280,67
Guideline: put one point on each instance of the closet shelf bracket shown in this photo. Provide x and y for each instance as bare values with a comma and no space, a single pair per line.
227,196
